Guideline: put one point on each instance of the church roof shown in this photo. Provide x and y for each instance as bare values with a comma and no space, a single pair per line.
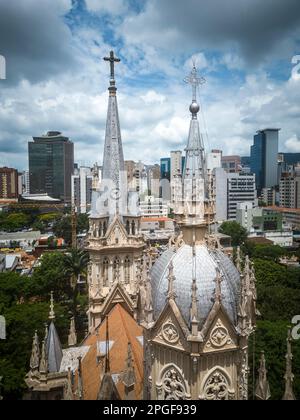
54,349
123,329
206,263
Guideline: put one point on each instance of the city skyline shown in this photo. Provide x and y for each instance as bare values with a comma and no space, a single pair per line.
63,87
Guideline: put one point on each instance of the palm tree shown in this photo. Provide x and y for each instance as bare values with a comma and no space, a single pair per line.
75,263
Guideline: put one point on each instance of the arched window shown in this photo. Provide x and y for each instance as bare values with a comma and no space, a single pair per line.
133,228
100,230
116,269
127,265
128,227
104,228
105,267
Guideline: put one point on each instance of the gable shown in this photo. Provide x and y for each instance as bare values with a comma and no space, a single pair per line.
220,335
168,330
116,234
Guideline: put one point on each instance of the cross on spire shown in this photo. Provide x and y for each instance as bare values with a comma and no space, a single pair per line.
194,80
112,60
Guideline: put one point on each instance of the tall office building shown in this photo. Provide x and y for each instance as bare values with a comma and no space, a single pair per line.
9,184
51,164
165,178
233,189
176,163
82,187
264,158
154,180
289,191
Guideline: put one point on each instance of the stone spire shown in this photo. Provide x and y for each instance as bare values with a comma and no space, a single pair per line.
107,358
194,163
43,368
238,260
72,338
171,278
263,388
289,377
218,289
68,392
53,346
194,309
35,354
129,375
80,381
113,158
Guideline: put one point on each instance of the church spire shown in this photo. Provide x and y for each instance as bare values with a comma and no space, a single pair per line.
194,163
262,388
35,354
113,158
289,377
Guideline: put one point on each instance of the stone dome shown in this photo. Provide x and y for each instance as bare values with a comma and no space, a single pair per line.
207,261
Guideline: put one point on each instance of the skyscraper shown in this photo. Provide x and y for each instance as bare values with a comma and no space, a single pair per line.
8,184
264,158
51,163
82,186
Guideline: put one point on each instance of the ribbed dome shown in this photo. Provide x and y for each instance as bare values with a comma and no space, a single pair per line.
207,262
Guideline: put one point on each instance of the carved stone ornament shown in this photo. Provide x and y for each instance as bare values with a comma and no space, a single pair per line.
219,337
217,388
169,333
172,386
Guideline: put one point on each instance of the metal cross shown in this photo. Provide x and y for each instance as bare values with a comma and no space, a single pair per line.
195,81
112,59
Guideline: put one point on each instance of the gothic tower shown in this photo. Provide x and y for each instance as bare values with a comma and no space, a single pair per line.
115,242
201,309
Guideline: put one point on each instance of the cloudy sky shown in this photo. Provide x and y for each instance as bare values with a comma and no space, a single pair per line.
57,80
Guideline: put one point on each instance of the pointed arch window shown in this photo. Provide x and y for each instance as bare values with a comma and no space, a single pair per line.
105,267
133,228
128,227
104,228
116,269
127,266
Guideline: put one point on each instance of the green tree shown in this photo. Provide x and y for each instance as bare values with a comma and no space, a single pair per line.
237,233
75,265
50,276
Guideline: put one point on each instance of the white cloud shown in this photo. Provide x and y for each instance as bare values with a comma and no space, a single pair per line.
293,144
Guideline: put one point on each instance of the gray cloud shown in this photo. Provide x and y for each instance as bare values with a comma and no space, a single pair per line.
255,27
34,39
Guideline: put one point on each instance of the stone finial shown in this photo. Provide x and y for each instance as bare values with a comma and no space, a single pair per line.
289,377
35,353
263,388
238,260
72,338
68,392
128,378
52,313
194,309
43,368
171,278
46,332
218,289
80,382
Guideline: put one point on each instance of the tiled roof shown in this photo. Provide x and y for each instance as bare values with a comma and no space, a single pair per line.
122,330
